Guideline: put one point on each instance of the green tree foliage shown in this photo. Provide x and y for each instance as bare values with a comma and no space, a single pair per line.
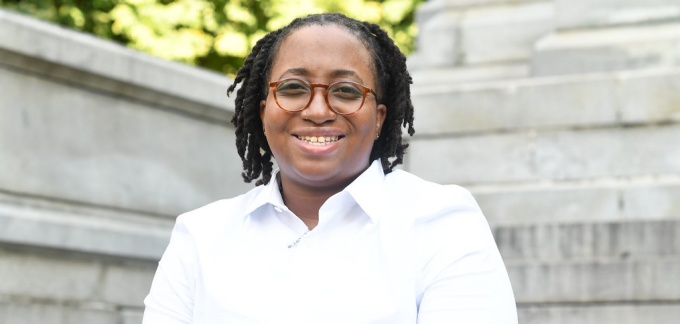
215,34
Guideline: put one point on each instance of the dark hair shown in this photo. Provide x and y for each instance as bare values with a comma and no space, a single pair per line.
389,65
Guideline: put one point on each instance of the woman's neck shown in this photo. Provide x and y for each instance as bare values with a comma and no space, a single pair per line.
305,202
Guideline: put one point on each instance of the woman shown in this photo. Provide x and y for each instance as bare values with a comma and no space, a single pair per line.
335,235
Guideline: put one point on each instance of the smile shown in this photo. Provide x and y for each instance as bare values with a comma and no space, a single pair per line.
319,140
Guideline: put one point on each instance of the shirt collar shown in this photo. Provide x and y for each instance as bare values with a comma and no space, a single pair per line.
268,194
365,190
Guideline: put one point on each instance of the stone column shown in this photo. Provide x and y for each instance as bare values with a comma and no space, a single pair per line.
610,35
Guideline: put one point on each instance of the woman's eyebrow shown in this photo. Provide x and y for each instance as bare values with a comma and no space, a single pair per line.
345,73
299,71
334,74
294,71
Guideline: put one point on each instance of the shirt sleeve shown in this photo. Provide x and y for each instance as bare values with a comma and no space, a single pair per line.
463,279
170,300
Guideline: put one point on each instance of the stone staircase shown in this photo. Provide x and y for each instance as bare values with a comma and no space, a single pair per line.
563,119
597,272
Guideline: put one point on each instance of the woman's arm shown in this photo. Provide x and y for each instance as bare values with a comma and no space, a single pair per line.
471,289
170,300
463,278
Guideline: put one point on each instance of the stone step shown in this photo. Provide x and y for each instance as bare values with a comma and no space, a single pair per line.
504,32
565,244
57,277
591,100
617,262
44,223
55,287
596,281
426,77
600,202
432,7
539,129
598,154
50,312
581,14
622,313
461,34
607,49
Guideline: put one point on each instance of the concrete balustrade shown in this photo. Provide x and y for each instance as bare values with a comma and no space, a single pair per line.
101,148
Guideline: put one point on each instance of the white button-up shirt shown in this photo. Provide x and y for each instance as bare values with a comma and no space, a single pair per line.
388,249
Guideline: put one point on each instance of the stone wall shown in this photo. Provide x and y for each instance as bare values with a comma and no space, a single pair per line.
101,148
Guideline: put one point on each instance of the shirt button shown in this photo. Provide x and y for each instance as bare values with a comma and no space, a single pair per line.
278,209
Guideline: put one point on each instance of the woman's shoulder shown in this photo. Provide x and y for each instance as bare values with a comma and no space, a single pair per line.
430,207
439,215
408,189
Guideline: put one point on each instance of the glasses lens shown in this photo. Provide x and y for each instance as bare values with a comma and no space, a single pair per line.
345,97
293,95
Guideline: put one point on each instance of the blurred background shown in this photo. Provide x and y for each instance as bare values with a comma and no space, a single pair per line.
561,116
213,34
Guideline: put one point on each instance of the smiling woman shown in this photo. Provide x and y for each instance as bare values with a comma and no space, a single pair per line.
335,235
311,173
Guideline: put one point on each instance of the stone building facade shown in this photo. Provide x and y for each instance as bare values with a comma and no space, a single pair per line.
562,117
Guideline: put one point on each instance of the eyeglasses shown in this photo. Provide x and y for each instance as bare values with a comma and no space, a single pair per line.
344,97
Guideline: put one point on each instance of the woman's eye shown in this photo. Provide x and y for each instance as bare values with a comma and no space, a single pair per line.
346,91
292,87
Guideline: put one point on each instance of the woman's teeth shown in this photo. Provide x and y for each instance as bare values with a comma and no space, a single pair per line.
318,140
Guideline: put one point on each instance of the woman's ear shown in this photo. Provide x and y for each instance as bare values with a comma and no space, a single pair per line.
263,103
381,114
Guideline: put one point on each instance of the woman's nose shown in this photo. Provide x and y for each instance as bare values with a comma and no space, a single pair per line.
318,110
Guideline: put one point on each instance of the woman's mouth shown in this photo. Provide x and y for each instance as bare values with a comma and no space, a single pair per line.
319,140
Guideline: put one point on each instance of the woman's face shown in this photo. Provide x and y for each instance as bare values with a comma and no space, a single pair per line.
322,54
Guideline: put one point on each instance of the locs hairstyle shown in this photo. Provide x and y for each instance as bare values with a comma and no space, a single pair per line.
389,65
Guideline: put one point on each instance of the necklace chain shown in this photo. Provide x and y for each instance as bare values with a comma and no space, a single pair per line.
298,240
